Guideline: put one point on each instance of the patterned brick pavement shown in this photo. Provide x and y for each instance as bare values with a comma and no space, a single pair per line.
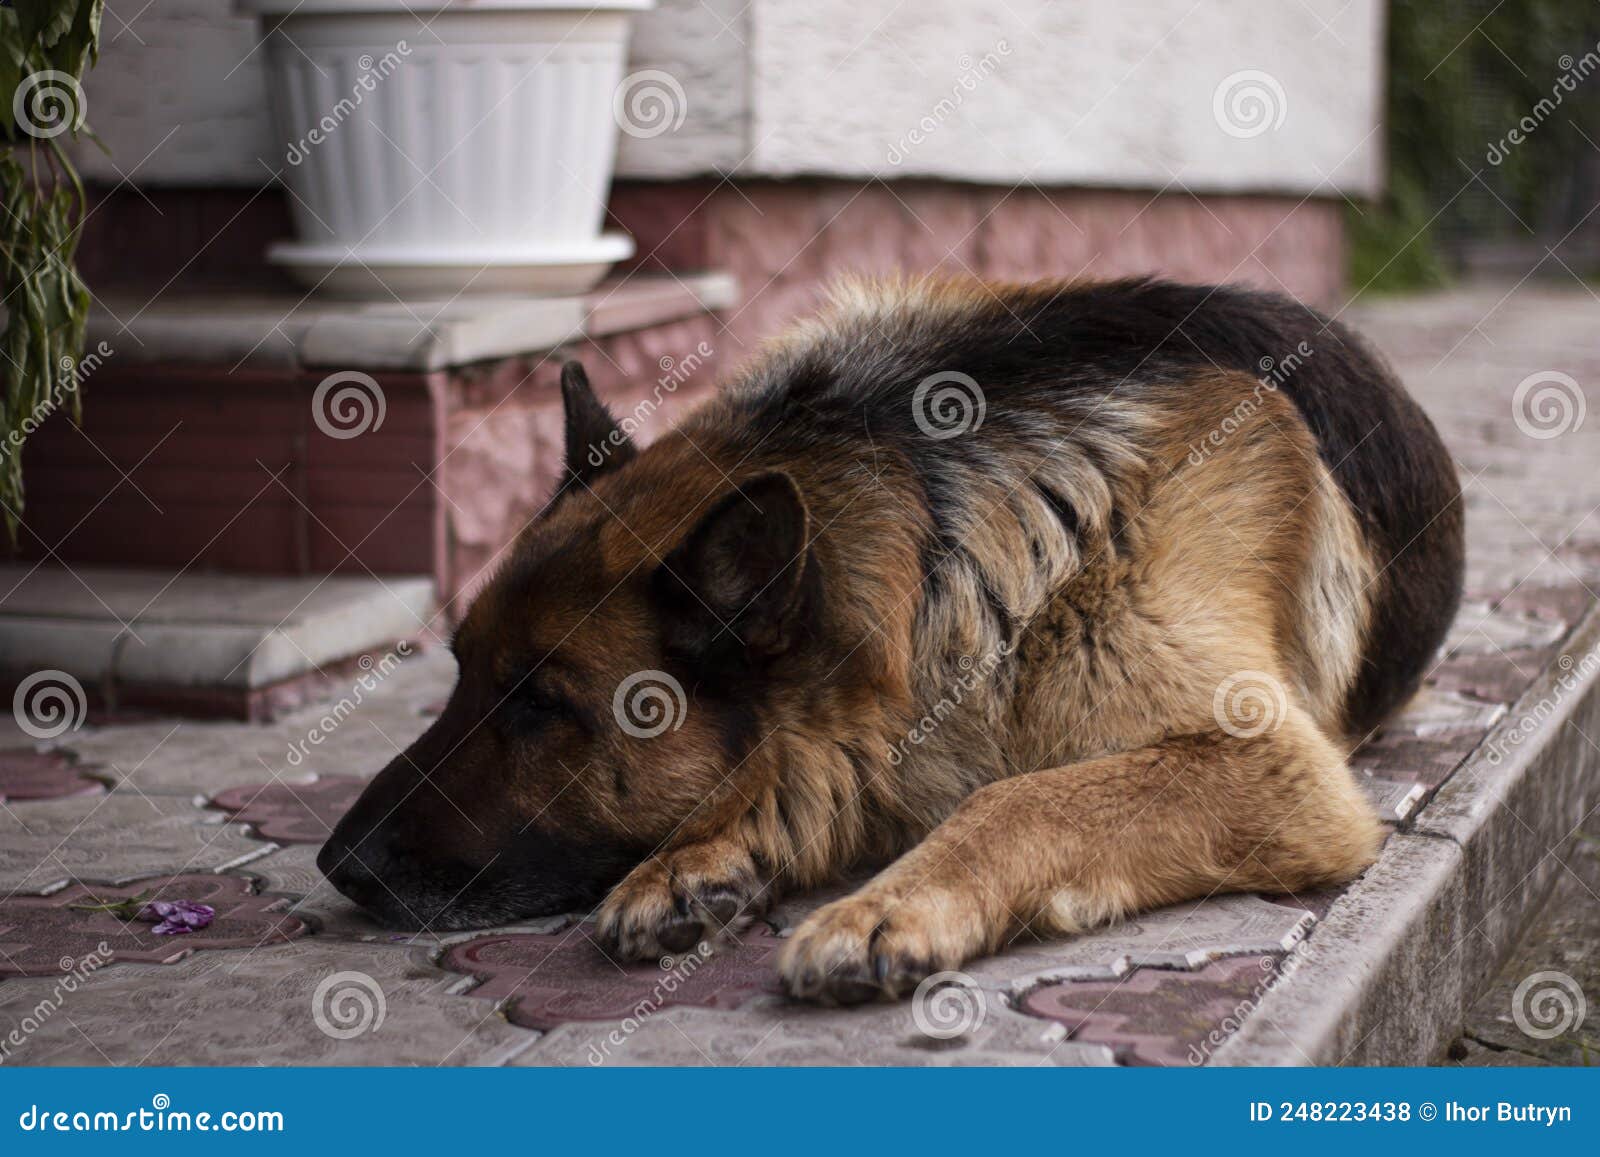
224,813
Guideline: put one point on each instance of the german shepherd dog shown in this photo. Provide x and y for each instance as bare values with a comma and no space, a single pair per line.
1052,591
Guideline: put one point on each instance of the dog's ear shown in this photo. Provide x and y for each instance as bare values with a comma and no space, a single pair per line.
735,588
594,442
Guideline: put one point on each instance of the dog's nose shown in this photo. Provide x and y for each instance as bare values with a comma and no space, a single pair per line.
354,871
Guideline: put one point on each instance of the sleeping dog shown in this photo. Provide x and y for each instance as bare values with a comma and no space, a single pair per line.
1062,601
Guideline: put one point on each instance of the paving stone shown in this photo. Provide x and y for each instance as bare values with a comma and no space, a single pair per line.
292,813
1317,901
770,1031
268,1006
27,774
37,933
1428,760
1433,711
1481,629
565,976
1494,677
1157,1017
1182,936
115,838
183,756
1566,603
1395,802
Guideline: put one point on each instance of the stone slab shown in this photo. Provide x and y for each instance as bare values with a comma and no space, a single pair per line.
769,1032
113,839
195,629
1434,711
39,932
563,976
1395,802
309,1002
288,813
1184,937
1494,677
1154,1017
298,330
187,756
1402,757
1483,628
26,774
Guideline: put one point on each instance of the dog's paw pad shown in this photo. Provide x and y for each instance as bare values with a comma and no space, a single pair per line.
670,904
862,948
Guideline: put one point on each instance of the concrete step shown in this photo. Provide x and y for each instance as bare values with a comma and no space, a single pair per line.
239,646
277,433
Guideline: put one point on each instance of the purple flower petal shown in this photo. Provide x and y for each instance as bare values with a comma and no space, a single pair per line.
175,917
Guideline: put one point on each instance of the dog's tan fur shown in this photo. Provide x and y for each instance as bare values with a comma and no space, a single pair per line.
1209,579
1106,671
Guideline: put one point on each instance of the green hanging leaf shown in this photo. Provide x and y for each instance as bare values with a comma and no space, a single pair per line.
46,303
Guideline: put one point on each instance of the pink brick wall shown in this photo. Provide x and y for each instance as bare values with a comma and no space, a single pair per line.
175,467
784,240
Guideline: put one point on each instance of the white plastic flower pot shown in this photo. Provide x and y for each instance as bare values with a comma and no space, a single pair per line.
434,147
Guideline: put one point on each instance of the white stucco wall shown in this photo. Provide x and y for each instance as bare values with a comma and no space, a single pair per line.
1099,92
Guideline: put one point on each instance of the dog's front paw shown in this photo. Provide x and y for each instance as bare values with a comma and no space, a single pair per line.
874,945
680,898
